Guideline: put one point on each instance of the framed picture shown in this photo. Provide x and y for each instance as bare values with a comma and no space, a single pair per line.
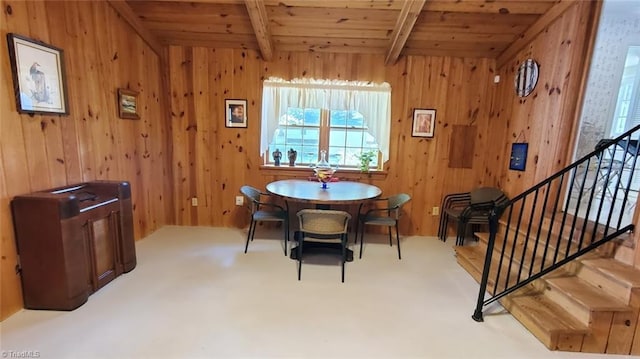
128,104
424,122
518,160
38,76
236,113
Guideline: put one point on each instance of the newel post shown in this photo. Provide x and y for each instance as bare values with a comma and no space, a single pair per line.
493,229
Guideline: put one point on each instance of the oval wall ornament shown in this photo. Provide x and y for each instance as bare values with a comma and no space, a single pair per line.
526,77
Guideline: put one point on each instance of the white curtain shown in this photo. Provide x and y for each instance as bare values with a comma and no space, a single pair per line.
372,100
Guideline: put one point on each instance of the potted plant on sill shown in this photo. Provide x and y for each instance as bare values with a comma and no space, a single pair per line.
365,160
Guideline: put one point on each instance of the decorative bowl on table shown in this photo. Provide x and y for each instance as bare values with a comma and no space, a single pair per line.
324,175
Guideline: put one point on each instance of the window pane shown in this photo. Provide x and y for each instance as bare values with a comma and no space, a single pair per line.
294,116
370,142
344,118
307,155
299,130
351,158
354,138
312,117
336,156
351,138
278,138
337,137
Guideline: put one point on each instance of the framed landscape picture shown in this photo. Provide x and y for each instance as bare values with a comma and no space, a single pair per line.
38,76
128,104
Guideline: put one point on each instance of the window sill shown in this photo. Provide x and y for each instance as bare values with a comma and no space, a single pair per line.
305,172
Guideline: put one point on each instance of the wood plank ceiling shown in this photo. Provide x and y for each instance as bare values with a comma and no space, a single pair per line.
461,28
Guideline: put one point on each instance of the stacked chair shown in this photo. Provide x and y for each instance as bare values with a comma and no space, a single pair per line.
469,208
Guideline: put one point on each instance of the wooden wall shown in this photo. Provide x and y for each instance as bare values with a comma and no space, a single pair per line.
546,119
180,148
102,53
212,162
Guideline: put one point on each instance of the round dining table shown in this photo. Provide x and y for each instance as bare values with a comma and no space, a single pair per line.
341,192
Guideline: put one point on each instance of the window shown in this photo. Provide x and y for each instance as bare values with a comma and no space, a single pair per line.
298,129
343,133
349,137
627,114
343,118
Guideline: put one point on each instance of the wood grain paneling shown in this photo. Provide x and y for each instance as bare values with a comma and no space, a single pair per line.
547,118
461,154
102,53
544,119
461,89
215,163
180,149
428,28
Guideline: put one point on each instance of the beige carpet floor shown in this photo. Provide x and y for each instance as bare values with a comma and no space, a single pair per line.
195,294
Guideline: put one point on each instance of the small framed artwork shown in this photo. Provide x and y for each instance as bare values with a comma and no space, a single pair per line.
424,122
518,160
236,113
128,104
38,76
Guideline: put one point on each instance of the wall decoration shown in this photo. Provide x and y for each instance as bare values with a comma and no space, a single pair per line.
518,160
526,77
38,76
236,113
424,122
128,104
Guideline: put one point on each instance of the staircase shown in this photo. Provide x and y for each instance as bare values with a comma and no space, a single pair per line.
590,305
562,267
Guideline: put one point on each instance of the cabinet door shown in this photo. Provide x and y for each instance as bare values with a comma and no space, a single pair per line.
103,234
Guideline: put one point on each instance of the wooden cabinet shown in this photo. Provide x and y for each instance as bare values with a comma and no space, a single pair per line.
72,241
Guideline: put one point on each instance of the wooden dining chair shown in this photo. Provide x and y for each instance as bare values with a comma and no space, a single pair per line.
388,216
262,211
323,225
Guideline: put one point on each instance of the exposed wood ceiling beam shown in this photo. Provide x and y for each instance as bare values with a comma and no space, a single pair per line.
258,15
122,8
533,31
408,16
340,4
490,6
